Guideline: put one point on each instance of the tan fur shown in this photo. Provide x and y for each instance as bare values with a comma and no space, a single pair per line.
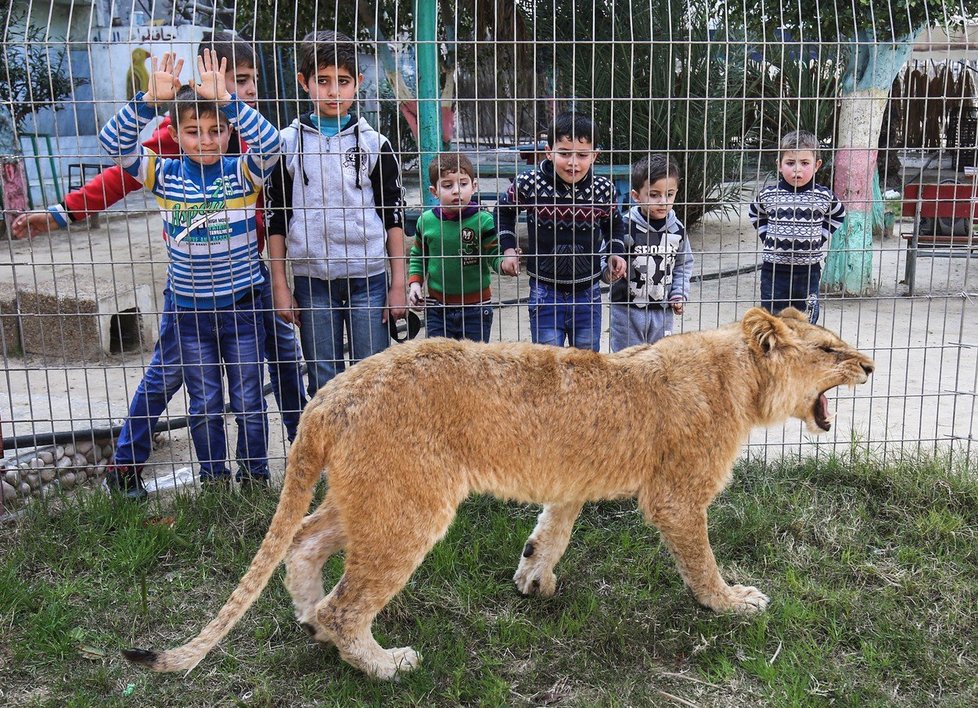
408,434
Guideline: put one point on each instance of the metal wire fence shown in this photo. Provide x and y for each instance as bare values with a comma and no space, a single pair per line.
124,304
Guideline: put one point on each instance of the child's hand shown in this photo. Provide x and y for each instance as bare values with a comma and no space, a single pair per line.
396,304
510,264
414,296
33,223
617,267
285,305
164,81
212,86
677,306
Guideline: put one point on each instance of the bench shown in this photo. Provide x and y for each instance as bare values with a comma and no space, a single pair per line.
950,201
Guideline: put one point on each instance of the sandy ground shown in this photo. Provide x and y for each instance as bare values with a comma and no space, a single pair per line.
926,347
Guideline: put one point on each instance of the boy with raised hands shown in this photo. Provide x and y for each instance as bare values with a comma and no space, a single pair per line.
208,200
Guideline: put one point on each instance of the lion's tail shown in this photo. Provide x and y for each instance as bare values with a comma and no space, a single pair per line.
306,461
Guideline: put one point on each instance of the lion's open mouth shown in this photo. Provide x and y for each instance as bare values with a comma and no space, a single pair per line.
820,411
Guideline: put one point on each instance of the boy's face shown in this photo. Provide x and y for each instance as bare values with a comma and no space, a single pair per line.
798,167
332,90
572,159
655,199
202,138
454,190
243,82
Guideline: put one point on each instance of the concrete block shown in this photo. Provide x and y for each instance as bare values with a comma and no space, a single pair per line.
72,318
9,322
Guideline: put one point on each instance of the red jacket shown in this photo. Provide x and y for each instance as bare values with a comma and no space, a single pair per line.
113,184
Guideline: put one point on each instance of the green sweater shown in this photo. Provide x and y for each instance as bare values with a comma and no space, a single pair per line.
455,252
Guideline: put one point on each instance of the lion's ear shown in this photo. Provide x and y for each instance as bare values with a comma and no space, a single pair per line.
764,331
790,313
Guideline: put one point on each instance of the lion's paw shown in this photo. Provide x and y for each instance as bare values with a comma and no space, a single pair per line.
314,629
394,662
531,581
745,599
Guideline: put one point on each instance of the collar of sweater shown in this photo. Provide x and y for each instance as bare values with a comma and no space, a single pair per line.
551,176
460,215
636,216
807,187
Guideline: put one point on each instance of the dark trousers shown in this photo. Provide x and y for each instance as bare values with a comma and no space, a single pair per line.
791,286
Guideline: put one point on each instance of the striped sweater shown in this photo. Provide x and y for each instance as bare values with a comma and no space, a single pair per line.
795,224
209,211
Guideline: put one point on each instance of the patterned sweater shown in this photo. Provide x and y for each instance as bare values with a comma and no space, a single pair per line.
209,211
569,225
795,224
456,253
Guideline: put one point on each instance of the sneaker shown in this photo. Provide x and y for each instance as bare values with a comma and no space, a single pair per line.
248,481
126,480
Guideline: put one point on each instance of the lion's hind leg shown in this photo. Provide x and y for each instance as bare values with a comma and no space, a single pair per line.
544,548
381,555
685,534
320,536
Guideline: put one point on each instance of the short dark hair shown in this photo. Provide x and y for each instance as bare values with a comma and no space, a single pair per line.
573,125
798,140
186,101
326,48
651,168
230,46
447,163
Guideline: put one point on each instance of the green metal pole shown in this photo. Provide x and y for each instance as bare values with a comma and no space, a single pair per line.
429,108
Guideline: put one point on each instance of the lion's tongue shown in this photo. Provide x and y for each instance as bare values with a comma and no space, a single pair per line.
822,416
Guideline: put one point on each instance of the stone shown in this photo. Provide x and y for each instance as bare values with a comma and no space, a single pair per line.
12,477
48,474
47,456
24,489
68,450
107,451
80,477
68,480
59,452
8,492
64,462
92,455
84,446
79,460
36,463
34,480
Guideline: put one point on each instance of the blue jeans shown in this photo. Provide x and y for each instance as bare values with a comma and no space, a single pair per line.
791,286
233,336
558,316
164,377
458,321
331,307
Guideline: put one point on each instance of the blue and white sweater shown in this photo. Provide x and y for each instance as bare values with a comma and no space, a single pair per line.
795,224
208,210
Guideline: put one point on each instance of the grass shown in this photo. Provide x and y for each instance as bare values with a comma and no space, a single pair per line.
872,571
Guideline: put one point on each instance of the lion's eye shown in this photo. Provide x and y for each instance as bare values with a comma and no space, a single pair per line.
827,349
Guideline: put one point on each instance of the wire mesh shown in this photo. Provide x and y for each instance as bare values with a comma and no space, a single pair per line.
90,339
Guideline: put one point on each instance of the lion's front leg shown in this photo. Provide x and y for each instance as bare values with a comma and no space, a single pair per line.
685,534
535,574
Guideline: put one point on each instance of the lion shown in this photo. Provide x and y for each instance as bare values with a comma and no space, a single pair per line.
406,435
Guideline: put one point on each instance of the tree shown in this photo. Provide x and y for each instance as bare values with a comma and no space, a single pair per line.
871,40
33,74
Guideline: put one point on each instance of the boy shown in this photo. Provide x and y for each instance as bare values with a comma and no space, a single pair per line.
794,220
208,203
336,211
164,375
454,249
571,215
650,269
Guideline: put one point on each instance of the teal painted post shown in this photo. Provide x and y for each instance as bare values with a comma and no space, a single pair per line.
429,99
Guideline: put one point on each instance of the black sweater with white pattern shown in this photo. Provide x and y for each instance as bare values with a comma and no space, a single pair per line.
794,224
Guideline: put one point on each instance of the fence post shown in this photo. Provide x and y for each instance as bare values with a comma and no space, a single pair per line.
429,99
